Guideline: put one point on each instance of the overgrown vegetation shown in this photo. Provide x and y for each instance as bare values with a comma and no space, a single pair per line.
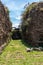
32,23
15,54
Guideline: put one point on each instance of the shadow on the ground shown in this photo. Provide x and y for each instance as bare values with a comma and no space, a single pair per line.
25,43
28,45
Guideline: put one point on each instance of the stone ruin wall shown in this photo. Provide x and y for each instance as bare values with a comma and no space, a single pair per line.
33,31
5,24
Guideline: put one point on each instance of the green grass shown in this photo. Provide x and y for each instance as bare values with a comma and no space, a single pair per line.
15,54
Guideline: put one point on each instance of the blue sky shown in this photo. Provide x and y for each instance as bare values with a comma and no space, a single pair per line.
16,7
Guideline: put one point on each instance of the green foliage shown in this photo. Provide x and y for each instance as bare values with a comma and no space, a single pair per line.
15,54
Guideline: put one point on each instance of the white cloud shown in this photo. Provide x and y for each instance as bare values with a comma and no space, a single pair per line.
15,25
16,17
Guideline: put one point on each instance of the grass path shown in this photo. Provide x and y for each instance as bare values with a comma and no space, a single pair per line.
15,54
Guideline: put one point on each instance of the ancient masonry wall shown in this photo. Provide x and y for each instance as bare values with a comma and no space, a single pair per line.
5,24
